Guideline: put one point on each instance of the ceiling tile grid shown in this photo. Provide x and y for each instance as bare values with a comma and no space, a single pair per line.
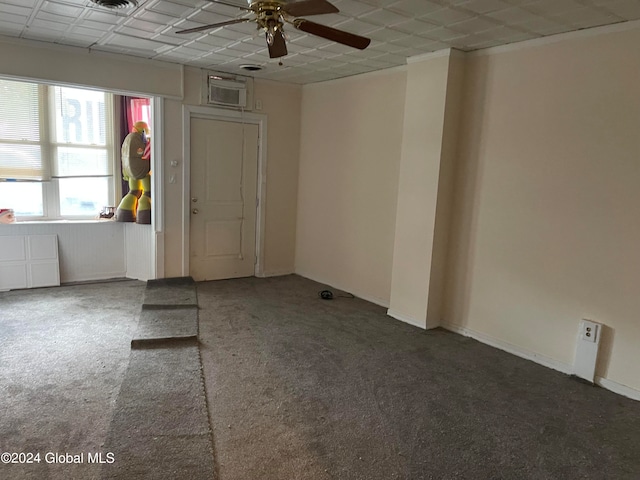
397,28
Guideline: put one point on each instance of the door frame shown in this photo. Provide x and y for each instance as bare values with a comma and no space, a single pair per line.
224,115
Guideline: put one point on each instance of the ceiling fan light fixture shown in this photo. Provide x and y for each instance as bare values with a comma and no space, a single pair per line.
116,3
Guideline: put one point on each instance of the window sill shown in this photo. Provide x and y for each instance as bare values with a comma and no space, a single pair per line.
48,222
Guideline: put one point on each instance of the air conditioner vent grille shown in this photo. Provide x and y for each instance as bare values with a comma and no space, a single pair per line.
116,3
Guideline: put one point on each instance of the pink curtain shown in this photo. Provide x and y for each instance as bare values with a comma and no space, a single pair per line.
138,110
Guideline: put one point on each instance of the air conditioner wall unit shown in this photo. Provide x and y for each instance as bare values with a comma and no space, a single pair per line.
227,90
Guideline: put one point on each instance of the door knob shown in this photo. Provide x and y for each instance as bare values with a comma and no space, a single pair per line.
194,211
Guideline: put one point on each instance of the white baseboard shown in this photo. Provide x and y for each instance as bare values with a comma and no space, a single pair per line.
510,348
275,273
355,293
405,318
540,359
618,388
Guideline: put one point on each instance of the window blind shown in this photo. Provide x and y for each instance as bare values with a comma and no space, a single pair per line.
21,139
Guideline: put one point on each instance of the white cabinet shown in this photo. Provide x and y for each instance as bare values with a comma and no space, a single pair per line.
29,261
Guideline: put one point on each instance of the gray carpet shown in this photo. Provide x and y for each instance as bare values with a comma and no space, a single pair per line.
160,427
297,388
303,388
62,361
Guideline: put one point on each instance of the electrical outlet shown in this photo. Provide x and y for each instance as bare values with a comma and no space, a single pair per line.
589,331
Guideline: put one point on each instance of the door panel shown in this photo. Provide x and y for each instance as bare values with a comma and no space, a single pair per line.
224,170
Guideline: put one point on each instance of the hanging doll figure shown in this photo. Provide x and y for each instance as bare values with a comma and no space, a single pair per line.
136,169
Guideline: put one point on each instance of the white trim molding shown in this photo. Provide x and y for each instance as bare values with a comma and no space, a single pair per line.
539,359
212,113
405,318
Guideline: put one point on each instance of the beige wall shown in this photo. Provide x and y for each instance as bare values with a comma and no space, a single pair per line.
547,230
424,188
281,105
181,86
350,150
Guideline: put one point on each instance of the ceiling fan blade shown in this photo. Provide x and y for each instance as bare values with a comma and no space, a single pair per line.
309,7
229,4
214,25
278,47
340,36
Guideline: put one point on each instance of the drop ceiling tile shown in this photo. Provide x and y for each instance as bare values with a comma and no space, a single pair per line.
483,6
82,31
110,18
291,61
443,34
553,7
131,42
51,17
628,9
221,9
43,34
39,23
542,26
205,17
352,8
155,17
144,26
62,9
10,29
386,34
22,3
415,27
19,10
473,25
383,18
332,49
446,16
99,26
78,40
216,57
188,52
215,41
170,8
379,3
326,63
356,26
168,39
585,18
247,46
15,19
513,15
414,8
310,41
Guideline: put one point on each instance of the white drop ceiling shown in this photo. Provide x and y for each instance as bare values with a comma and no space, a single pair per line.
398,29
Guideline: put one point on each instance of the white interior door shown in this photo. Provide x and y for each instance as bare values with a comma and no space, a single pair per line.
224,170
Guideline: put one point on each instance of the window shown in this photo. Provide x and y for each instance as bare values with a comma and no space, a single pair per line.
56,150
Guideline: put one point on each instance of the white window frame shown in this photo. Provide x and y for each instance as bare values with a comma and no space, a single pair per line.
48,143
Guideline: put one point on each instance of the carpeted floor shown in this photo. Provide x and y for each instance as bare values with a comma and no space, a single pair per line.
297,388
63,356
304,388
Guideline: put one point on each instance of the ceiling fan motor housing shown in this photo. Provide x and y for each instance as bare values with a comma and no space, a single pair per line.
116,3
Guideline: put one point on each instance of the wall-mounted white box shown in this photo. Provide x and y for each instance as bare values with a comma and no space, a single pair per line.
584,365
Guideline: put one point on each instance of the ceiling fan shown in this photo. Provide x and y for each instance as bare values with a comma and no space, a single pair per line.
271,15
